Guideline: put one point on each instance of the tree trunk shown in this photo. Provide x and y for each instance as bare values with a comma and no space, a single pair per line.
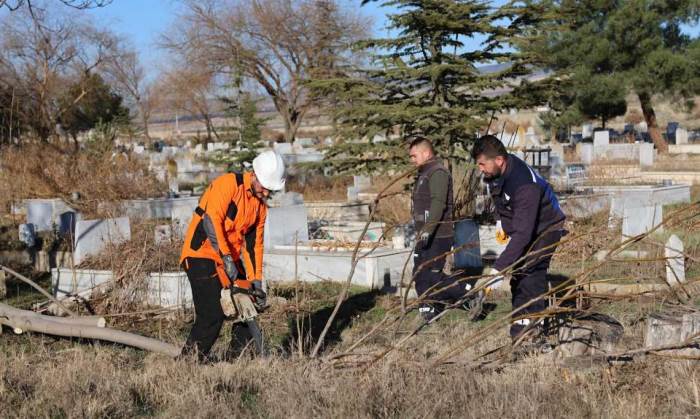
29,321
652,124
291,126
144,121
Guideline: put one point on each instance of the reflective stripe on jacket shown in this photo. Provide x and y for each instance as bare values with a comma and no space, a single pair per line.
229,220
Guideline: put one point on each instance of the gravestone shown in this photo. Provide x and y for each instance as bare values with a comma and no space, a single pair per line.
92,236
646,154
27,235
601,141
662,330
286,199
286,224
181,216
353,194
675,261
690,326
665,330
681,136
585,152
586,130
173,185
362,183
40,214
641,220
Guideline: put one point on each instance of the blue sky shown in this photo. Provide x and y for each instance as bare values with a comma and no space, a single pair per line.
143,22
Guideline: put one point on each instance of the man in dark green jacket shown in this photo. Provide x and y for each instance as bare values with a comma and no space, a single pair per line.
432,213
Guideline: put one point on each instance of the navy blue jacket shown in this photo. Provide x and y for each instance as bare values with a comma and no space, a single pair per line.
527,207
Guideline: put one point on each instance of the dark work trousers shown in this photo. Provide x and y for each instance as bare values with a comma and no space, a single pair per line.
427,271
206,292
209,317
529,280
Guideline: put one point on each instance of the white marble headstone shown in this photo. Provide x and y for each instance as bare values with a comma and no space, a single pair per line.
641,220
675,261
92,236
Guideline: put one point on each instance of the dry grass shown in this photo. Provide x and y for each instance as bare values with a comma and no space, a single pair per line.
677,163
131,262
43,377
321,188
46,377
56,171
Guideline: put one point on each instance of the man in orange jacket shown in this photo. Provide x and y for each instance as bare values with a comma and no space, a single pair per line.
224,244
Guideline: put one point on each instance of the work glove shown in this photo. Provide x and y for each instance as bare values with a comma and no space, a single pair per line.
501,236
230,267
490,280
226,301
259,293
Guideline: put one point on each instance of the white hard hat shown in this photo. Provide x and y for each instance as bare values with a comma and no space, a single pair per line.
269,169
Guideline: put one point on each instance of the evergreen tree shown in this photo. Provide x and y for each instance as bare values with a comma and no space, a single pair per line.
423,81
90,102
246,140
601,97
636,45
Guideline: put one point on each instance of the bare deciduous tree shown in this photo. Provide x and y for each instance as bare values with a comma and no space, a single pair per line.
41,53
192,90
128,77
279,44
78,4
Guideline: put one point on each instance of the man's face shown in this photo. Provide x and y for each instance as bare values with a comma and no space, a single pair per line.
259,190
419,155
491,167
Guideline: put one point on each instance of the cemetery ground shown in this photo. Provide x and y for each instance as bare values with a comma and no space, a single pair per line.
47,376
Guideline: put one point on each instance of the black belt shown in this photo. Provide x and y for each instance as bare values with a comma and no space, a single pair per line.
199,211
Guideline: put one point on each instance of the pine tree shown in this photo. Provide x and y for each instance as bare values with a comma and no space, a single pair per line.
246,139
424,81
636,43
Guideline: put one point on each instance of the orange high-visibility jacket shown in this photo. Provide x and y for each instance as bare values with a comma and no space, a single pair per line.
229,220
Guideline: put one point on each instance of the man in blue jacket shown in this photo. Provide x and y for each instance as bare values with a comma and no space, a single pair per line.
530,214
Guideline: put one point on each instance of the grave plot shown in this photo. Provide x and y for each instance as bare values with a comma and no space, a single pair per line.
160,289
376,269
48,214
92,236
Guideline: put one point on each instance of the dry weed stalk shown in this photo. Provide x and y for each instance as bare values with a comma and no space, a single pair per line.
57,171
570,289
131,262
355,260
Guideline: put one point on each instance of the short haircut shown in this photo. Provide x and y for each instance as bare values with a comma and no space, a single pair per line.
489,146
418,140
